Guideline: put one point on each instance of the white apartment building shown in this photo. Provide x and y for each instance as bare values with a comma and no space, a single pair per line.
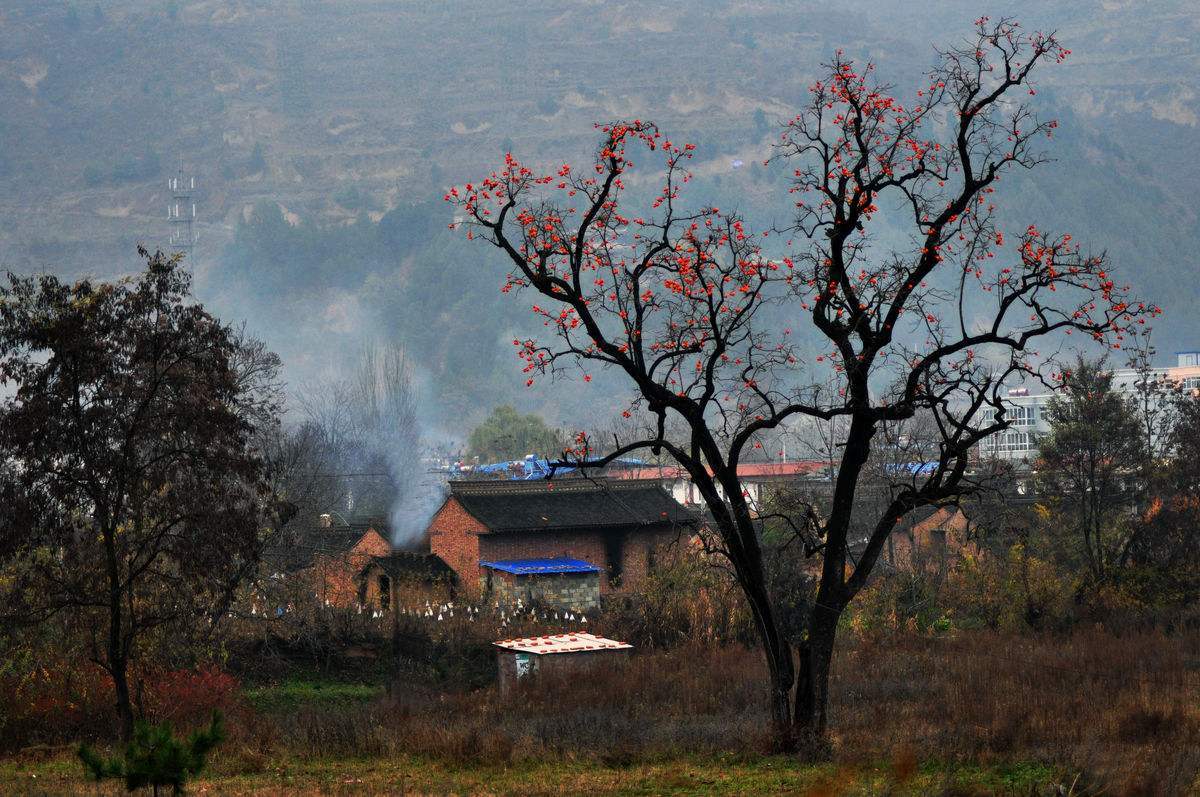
1027,410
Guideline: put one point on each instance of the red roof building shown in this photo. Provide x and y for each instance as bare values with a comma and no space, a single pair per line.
757,478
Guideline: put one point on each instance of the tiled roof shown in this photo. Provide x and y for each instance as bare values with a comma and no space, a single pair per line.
568,504
406,564
561,643
297,548
528,567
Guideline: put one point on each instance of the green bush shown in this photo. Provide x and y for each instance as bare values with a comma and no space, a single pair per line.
155,758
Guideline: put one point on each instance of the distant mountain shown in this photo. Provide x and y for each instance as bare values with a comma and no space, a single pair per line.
332,115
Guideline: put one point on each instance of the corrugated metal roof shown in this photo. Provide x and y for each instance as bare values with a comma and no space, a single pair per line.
526,567
561,643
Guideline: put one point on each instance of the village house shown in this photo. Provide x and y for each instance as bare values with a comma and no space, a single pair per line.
486,531
929,539
330,556
389,582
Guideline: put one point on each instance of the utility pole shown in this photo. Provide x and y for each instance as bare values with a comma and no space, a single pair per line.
181,212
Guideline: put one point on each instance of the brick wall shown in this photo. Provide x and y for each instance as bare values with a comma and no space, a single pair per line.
585,545
637,550
462,542
336,577
453,535
644,549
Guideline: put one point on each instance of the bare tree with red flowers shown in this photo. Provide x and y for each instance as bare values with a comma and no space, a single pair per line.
685,301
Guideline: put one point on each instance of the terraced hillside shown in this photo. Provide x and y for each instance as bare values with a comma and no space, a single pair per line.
341,112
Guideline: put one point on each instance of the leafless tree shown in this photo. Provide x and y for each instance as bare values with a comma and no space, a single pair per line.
677,300
369,431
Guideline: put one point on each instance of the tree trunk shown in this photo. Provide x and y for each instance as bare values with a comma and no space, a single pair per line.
781,691
812,687
781,667
118,661
118,666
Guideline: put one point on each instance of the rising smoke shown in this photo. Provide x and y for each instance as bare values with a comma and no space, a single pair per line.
371,423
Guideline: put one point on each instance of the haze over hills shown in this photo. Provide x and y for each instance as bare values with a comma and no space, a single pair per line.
323,134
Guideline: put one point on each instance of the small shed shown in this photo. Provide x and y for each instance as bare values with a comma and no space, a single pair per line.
560,653
559,583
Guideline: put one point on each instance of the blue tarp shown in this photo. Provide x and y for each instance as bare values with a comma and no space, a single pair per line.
527,567
532,468
914,468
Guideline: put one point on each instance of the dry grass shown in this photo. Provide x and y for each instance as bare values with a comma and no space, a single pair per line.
978,714
1121,712
1124,711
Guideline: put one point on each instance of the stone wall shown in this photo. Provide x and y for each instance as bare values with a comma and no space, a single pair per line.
577,592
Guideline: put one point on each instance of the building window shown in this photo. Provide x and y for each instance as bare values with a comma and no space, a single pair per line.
1021,415
1012,441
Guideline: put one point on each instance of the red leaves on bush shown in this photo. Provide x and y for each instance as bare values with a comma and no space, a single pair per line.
70,701
184,697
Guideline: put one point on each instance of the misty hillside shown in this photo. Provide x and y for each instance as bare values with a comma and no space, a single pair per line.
322,135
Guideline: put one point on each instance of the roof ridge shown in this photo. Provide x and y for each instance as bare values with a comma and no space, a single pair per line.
518,486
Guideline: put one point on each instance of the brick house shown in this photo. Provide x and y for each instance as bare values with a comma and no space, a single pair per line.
329,557
930,539
620,526
404,578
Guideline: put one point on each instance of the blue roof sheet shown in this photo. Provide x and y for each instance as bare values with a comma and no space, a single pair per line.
915,468
534,468
526,567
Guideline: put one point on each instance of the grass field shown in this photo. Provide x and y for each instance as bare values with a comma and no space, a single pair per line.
296,692
980,714
60,774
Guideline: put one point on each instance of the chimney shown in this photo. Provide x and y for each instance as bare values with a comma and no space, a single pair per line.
326,520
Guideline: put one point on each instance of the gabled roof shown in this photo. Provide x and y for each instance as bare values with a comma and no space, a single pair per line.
529,567
561,643
298,548
504,506
406,564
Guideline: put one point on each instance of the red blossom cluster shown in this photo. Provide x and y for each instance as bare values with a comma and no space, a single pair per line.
670,295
